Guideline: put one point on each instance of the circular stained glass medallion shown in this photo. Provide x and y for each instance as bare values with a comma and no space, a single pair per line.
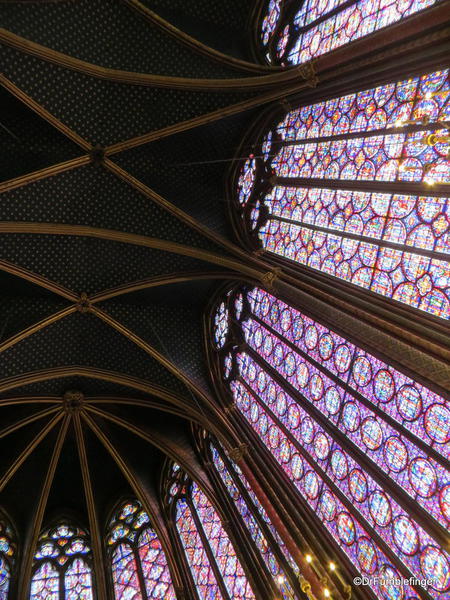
406,536
380,508
409,402
435,566
422,476
437,423
346,528
367,555
395,454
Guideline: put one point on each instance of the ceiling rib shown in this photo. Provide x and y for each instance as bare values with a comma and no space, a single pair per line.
22,180
195,44
131,478
66,61
159,281
96,537
130,238
30,400
22,335
28,450
39,514
38,280
43,113
31,419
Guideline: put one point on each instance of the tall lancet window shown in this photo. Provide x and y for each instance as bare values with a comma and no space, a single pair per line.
357,187
295,31
364,446
214,564
62,565
274,553
7,552
139,565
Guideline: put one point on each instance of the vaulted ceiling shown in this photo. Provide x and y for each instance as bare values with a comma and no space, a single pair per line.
117,143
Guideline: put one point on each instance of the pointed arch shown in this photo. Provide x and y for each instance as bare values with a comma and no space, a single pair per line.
62,566
138,563
364,446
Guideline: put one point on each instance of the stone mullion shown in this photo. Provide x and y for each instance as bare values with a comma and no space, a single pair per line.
287,569
251,555
209,552
387,550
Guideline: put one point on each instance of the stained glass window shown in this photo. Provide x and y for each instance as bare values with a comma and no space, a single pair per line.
62,565
365,446
7,551
282,568
139,565
310,28
329,207
216,569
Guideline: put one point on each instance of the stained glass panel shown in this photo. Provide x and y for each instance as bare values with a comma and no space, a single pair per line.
321,27
335,417
201,569
392,244
157,578
78,581
45,583
61,565
4,579
137,549
124,572
6,559
229,565
252,525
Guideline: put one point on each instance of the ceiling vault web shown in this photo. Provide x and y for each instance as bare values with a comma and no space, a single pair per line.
29,449
193,43
27,420
38,280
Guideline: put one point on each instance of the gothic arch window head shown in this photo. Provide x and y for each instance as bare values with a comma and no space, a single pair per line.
215,567
139,565
7,554
293,32
363,444
62,565
357,187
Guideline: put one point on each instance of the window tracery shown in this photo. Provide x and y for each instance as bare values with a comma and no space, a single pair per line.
214,564
348,430
139,566
62,565
282,568
316,194
293,32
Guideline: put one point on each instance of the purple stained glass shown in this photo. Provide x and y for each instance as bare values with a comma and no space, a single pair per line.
155,570
376,507
125,576
222,548
322,27
137,549
201,569
45,583
252,525
347,530
395,245
78,581
370,403
4,579
62,546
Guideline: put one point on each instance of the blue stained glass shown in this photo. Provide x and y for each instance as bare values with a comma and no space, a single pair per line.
252,525
322,221
137,549
328,374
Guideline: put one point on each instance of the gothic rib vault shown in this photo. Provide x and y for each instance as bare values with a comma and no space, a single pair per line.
119,131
